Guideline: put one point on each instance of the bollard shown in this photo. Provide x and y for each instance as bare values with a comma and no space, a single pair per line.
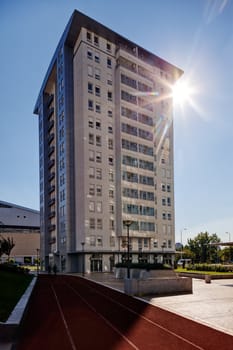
207,279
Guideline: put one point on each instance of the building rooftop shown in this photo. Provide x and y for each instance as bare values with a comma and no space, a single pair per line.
12,215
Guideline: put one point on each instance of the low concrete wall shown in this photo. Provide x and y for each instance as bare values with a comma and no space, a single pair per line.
121,273
9,329
158,286
202,275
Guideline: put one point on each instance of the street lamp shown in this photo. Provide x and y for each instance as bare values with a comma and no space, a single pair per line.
228,233
37,262
127,223
83,265
163,246
181,238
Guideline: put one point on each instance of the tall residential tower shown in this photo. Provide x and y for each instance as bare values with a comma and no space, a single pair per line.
106,151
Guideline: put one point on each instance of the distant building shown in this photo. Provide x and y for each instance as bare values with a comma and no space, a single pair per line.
23,225
106,151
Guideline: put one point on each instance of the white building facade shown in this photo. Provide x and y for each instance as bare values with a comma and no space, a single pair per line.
106,151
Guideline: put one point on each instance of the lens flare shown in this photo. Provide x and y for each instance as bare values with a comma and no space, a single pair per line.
182,92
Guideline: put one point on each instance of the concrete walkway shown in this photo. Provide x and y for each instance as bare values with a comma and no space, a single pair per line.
210,304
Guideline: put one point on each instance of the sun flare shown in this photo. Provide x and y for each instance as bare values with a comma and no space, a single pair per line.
181,92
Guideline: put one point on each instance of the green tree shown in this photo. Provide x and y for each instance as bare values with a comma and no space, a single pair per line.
201,248
7,244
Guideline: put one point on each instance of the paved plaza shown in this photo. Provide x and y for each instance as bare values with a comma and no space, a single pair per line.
210,304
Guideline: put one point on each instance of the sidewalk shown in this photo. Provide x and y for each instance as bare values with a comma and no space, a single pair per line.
210,304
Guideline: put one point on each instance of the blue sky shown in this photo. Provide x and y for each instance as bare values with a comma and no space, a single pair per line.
195,35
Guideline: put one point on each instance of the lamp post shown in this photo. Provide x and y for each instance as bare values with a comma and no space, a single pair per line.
163,246
229,234
181,238
37,262
127,223
83,264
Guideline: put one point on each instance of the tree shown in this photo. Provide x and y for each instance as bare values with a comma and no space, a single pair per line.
7,244
202,250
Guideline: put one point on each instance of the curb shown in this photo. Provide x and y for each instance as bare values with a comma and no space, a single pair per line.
9,329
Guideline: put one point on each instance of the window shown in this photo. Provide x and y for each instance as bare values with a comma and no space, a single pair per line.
110,113
155,244
91,155
92,238
128,97
164,216
109,62
112,241
91,206
169,201
99,207
91,190
90,105
96,40
110,144
88,36
98,157
110,160
111,208
99,241
111,176
97,73
90,71
89,54
111,224
92,224
98,190
98,140
111,193
99,224
168,188
163,201
109,79
146,242
91,172
90,88
91,139
98,124
90,122
99,174
109,96
110,130
97,108
97,57
169,216
108,47
97,90
169,243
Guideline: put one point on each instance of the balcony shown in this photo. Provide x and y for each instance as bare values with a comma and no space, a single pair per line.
50,125
51,214
51,138
51,176
51,189
51,163
51,150
51,201
51,228
50,112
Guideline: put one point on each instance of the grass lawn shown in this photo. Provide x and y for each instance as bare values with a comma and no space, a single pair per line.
12,288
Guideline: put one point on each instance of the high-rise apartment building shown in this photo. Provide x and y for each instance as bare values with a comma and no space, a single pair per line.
106,151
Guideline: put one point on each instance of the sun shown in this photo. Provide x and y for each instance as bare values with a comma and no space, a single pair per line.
181,92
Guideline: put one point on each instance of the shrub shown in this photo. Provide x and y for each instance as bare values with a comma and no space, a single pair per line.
211,267
144,266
